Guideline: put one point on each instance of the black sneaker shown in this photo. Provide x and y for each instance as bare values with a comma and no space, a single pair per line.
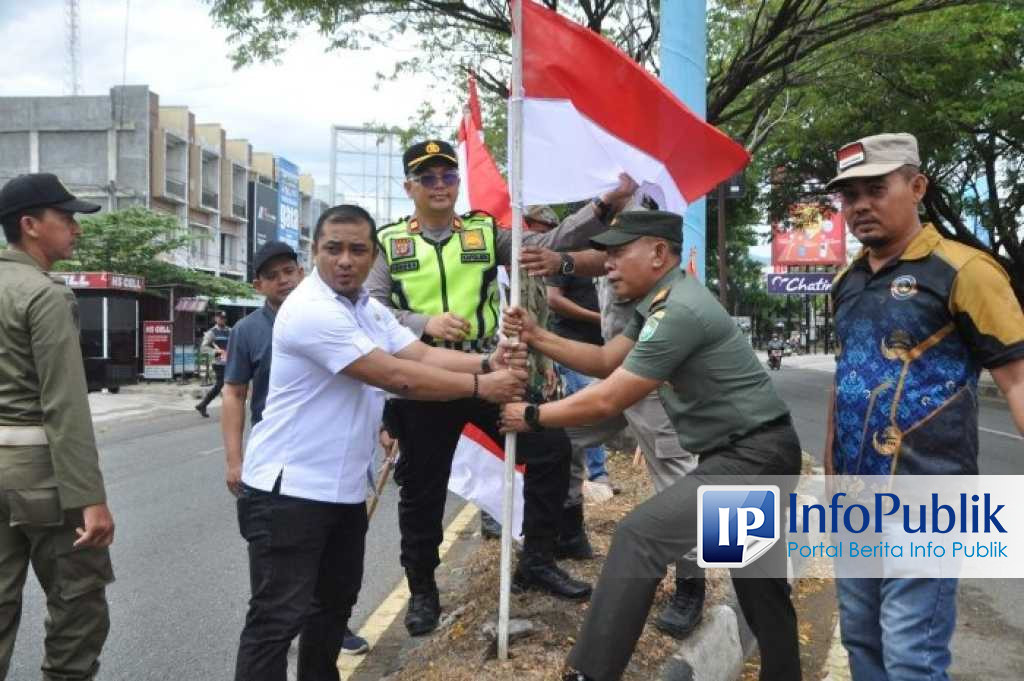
202,411
423,614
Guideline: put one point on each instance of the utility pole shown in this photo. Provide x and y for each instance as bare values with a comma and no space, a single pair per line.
74,46
723,255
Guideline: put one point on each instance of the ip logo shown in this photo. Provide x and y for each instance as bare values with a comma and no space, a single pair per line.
736,524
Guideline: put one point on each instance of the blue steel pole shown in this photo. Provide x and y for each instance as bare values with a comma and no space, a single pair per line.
684,57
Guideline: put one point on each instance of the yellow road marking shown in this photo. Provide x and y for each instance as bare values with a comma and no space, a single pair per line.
382,618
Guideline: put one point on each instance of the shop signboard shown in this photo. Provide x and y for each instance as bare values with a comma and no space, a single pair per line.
799,283
109,281
156,349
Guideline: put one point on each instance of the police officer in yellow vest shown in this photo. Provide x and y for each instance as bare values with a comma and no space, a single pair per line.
52,502
438,271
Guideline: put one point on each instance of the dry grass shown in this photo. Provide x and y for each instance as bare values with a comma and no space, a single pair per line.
461,653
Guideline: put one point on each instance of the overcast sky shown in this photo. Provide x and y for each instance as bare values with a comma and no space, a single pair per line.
174,47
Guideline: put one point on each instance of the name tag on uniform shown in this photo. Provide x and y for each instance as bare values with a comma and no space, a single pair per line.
473,240
405,266
476,257
403,247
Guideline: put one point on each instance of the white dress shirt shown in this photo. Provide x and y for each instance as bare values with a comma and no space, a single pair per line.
320,427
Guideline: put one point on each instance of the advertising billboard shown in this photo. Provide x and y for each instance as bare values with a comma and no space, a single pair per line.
156,349
262,217
812,235
288,202
799,283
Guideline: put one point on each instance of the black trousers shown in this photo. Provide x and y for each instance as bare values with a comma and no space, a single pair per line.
664,529
305,567
211,394
428,433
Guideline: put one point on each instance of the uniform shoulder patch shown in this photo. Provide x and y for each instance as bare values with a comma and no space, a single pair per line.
473,240
402,247
650,326
660,297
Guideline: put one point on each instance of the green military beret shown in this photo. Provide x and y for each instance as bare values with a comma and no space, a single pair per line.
631,225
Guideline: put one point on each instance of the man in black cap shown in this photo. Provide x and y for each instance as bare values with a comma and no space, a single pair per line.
438,271
721,402
53,505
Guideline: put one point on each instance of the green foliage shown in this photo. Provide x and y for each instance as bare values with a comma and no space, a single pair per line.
138,241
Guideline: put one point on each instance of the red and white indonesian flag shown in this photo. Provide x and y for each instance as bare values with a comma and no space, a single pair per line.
591,113
483,186
478,475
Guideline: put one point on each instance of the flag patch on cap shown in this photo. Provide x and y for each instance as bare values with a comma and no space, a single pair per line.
850,155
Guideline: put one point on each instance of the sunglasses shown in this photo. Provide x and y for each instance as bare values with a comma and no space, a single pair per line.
429,180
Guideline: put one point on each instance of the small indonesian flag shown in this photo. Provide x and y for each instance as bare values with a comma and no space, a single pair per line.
478,475
483,186
591,113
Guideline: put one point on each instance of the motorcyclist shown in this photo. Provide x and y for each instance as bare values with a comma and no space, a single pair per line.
775,350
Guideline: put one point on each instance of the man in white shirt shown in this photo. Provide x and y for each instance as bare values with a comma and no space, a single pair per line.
302,507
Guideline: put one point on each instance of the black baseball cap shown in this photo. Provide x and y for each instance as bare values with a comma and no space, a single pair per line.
269,251
631,225
41,190
420,153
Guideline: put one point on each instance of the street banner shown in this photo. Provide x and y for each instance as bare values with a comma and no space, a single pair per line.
287,202
156,350
590,112
483,186
799,283
478,476
109,281
811,235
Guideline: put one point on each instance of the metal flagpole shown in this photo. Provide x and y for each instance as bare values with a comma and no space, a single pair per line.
515,124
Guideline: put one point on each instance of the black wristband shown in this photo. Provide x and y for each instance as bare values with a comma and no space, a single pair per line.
485,364
476,386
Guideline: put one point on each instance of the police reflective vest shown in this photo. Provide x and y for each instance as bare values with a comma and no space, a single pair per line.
456,275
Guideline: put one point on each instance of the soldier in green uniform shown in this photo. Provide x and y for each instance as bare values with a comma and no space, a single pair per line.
438,272
721,402
53,509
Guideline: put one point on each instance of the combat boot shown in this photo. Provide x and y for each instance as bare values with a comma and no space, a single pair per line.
424,611
538,571
683,613
490,528
572,536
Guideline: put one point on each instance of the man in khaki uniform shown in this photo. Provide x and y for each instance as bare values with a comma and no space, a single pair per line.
52,502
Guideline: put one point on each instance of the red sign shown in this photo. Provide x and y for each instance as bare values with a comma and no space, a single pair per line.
103,280
156,349
810,236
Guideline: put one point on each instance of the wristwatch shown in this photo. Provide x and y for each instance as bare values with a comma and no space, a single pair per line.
532,417
568,264
485,364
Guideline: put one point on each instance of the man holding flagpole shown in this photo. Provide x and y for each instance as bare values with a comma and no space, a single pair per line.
438,271
681,342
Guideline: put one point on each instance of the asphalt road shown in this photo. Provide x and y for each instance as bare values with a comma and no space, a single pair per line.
989,640
180,598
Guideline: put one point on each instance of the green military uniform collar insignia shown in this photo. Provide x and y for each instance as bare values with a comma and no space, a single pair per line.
14,255
659,292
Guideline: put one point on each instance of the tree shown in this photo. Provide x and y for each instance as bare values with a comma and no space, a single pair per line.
136,241
954,79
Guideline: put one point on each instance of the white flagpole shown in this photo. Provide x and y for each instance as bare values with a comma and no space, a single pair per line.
515,129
